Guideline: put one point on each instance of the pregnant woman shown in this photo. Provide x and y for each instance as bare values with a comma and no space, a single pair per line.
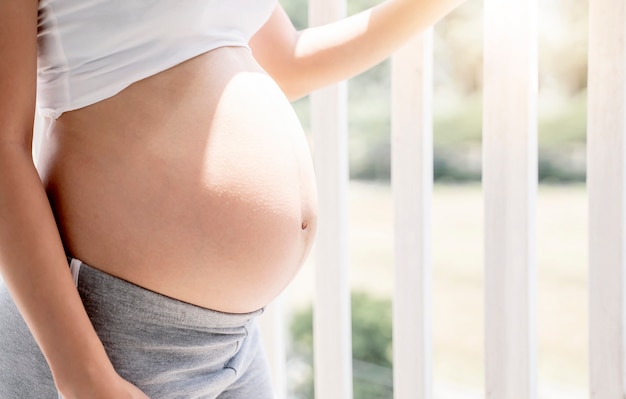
173,196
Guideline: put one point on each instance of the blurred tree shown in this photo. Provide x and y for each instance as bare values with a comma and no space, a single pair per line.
298,11
563,33
458,46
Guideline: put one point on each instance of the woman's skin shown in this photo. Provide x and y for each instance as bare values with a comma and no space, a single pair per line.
195,182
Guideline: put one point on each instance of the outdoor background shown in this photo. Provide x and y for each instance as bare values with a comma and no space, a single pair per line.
457,214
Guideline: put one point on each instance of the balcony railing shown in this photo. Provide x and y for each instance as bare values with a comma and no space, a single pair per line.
510,188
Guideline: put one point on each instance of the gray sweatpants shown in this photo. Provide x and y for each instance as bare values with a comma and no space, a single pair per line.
168,348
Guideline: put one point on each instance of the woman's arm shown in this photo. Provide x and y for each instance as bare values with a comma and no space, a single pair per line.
301,62
32,259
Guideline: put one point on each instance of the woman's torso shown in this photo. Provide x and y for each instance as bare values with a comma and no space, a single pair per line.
196,183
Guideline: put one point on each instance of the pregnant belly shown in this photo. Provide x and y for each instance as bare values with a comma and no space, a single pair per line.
196,183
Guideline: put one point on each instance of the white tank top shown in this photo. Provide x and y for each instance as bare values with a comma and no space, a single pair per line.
90,50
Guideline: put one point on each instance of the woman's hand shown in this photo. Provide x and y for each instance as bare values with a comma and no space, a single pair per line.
128,390
115,388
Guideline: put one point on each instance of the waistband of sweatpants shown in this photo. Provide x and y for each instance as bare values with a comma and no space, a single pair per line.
126,297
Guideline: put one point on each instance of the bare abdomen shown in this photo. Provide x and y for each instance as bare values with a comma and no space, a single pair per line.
196,183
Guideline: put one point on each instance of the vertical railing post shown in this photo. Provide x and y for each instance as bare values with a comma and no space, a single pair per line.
510,186
412,177
332,322
273,333
606,174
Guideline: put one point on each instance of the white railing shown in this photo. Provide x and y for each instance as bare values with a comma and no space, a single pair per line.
412,171
606,184
510,188
329,127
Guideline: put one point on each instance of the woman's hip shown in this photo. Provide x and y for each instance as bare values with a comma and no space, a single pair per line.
168,348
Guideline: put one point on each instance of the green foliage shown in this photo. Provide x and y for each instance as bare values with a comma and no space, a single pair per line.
562,139
566,125
298,12
371,348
